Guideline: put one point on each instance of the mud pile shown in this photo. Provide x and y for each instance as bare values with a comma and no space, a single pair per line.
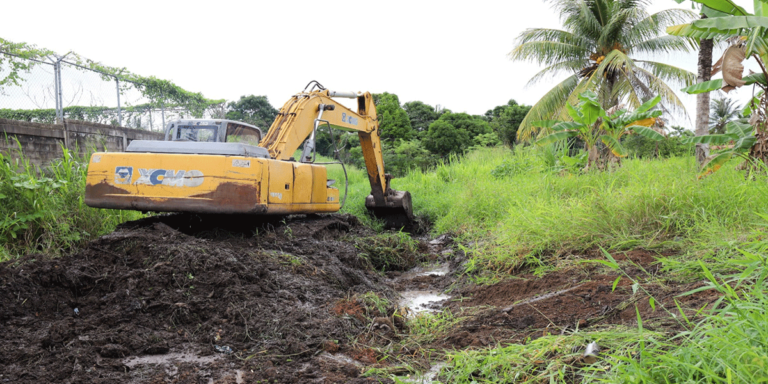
150,303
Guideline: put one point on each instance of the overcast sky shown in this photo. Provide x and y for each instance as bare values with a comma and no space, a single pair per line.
452,54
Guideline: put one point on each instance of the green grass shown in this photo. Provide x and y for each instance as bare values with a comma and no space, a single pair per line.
532,215
42,210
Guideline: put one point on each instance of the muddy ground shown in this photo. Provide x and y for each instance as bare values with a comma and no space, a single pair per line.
149,303
183,300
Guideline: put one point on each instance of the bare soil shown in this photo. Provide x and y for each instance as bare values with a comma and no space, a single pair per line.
150,303
526,307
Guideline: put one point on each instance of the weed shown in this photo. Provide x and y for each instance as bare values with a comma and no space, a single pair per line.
43,210
389,251
374,302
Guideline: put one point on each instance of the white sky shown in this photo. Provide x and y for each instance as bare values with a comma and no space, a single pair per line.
449,53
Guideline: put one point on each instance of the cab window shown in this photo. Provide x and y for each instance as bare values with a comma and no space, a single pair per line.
242,134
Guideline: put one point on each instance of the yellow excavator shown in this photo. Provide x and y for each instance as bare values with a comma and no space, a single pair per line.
214,166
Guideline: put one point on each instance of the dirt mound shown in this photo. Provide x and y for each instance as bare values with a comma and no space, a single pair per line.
149,303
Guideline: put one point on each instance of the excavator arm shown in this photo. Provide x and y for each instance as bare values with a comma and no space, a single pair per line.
305,112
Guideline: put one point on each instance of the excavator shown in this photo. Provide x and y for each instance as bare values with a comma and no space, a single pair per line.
214,166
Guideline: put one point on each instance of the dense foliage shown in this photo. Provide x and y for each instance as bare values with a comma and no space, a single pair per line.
600,47
42,210
254,110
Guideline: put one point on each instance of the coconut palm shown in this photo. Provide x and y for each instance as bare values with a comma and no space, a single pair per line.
600,47
723,110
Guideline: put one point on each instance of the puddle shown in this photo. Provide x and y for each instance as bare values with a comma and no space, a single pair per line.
170,358
419,301
169,361
339,358
430,270
427,377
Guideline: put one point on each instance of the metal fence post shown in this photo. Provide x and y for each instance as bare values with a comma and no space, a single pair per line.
119,112
162,111
56,90
61,99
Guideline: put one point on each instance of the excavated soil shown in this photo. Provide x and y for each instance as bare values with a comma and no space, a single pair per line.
179,300
185,299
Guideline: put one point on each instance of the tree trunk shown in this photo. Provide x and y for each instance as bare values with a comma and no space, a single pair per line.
702,99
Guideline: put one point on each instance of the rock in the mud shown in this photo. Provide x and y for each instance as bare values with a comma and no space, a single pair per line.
113,351
159,349
330,346
383,325
591,353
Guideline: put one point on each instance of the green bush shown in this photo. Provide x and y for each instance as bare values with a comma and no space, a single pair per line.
644,148
42,210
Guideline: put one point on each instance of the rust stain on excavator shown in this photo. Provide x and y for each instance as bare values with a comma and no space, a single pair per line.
103,188
226,198
241,196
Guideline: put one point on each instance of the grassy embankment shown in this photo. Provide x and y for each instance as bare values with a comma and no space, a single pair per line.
535,220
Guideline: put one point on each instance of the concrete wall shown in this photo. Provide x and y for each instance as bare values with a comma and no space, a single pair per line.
41,143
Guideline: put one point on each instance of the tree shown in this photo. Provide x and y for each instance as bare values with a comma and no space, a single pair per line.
702,99
393,120
722,111
254,110
598,47
592,124
443,138
420,114
465,122
505,120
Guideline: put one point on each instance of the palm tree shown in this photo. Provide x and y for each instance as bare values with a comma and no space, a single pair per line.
598,46
723,111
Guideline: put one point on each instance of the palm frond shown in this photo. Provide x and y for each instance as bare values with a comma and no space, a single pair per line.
654,25
669,73
546,34
549,106
554,69
545,52
664,44
658,86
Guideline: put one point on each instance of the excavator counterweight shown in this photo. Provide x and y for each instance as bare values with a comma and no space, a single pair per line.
223,166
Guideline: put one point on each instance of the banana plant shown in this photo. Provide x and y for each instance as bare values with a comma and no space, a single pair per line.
592,124
747,34
740,134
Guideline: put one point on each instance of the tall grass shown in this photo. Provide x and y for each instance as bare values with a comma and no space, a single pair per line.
533,213
42,210
730,345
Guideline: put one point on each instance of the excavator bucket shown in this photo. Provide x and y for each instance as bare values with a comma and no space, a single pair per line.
396,210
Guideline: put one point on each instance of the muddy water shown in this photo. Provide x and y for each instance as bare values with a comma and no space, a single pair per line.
170,361
422,300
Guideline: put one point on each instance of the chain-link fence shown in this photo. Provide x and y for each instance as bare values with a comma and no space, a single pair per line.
47,90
